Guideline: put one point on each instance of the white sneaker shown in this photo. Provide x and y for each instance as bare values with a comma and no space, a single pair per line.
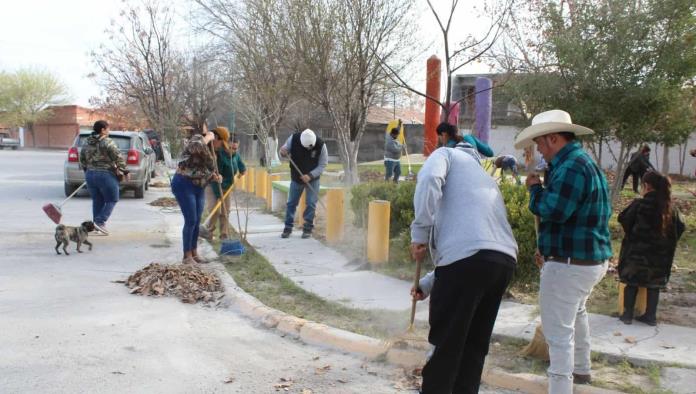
101,228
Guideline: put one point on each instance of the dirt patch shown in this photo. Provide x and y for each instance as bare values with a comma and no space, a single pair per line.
165,202
185,281
159,184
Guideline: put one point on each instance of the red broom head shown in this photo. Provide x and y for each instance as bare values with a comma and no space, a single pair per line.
53,212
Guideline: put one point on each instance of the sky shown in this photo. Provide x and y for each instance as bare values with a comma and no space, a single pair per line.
58,36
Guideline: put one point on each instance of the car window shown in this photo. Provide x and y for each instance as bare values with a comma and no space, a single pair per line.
4,135
122,142
138,143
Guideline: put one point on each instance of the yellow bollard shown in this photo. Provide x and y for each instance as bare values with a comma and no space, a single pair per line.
378,231
269,190
251,173
641,300
334,215
261,180
299,215
240,183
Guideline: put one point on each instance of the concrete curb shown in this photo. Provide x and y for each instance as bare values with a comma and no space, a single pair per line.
319,334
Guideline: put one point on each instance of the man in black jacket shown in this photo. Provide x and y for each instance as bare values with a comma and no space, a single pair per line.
637,166
307,152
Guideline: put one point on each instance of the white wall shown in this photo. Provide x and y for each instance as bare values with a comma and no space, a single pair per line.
502,140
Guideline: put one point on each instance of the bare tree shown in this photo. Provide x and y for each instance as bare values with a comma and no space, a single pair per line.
248,33
139,62
206,86
338,46
456,56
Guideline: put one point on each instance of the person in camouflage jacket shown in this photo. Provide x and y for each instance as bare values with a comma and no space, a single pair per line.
99,158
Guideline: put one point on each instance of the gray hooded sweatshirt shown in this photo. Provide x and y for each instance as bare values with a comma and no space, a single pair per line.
392,148
459,210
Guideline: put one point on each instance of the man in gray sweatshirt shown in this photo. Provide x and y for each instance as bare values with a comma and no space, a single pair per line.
392,155
460,215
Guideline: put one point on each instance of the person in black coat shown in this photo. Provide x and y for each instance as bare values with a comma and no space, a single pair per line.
638,165
652,228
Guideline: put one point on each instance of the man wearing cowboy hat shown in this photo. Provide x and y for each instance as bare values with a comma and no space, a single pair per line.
573,207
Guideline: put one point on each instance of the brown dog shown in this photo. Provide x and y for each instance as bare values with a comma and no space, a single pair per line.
65,234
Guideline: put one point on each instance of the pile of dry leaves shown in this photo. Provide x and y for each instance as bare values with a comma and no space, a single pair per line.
185,281
165,202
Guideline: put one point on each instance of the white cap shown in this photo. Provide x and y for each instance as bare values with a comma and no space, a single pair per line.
308,138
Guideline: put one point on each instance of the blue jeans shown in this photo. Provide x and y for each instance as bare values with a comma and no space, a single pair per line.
191,199
103,187
392,167
311,198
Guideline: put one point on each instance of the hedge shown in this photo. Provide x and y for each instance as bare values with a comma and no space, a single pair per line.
401,197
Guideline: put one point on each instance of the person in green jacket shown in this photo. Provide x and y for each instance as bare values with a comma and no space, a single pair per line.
229,164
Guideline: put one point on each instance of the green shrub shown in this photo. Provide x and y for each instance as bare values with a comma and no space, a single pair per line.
401,197
522,222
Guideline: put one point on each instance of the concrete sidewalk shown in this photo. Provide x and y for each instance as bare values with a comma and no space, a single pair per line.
325,272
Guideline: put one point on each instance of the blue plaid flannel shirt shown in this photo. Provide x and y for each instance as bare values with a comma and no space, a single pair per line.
574,207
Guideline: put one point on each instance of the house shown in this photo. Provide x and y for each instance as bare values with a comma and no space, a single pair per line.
61,127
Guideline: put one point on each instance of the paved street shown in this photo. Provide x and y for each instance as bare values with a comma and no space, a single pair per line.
65,327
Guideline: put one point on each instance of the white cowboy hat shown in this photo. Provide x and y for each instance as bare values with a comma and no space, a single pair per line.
554,121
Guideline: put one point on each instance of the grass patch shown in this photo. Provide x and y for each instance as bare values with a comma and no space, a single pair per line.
255,275
619,375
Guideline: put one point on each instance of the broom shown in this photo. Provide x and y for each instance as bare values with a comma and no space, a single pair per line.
203,230
54,211
537,348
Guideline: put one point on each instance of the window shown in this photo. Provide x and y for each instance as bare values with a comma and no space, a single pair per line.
122,142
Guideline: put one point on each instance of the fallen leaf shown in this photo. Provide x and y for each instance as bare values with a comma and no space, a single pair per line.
668,347
617,334
231,379
306,391
341,381
118,373
322,370
315,358
118,281
630,339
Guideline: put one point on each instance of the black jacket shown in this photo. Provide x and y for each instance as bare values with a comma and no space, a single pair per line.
639,163
646,256
305,159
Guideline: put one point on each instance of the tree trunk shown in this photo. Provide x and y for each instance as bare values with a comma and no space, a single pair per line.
620,164
665,159
682,156
350,165
30,127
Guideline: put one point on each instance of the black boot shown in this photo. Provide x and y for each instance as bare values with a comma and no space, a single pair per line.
630,293
286,232
650,316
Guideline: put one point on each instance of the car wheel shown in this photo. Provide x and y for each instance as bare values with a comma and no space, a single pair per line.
14,148
68,188
140,191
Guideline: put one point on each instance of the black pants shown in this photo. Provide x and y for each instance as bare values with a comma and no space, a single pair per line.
463,306
636,178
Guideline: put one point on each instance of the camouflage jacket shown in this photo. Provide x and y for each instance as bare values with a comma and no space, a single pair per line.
196,162
101,154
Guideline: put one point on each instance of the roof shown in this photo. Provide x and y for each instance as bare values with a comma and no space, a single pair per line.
382,115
